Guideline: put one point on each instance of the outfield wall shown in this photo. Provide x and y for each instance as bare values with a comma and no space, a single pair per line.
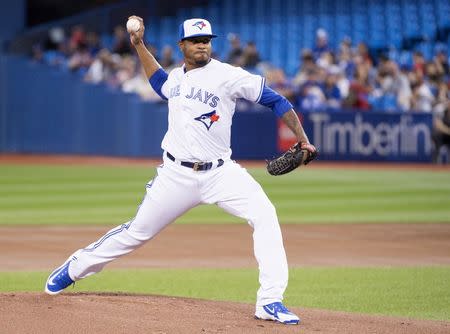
366,136
44,110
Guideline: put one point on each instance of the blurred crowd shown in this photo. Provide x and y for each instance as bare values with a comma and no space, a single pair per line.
343,78
82,52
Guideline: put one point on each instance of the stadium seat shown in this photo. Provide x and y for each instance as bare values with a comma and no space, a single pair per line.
427,50
379,23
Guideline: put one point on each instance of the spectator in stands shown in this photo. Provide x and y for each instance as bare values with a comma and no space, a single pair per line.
127,70
93,42
363,56
80,60
360,89
307,66
311,96
434,77
56,48
139,85
235,53
442,97
56,36
326,60
422,96
344,58
330,88
418,62
321,44
384,93
441,131
342,82
441,61
102,68
77,38
384,66
121,44
167,61
250,56
402,87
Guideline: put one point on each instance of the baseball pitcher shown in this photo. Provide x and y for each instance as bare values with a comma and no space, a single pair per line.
197,167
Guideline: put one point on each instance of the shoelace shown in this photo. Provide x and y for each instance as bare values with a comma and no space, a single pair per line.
63,278
279,307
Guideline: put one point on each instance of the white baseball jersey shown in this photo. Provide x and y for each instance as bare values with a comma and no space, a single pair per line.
201,108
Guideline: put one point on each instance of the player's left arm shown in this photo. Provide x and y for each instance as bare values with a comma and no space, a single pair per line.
284,109
290,118
252,87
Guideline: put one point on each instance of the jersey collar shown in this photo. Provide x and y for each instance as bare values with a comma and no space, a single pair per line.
183,67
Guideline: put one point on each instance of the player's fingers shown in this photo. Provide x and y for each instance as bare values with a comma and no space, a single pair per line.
308,147
140,19
137,18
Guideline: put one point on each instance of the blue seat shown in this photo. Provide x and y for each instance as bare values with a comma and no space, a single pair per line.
394,40
405,59
442,9
198,12
292,24
427,50
411,29
428,26
213,13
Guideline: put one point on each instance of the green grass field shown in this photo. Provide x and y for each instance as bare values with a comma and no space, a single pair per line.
99,195
110,195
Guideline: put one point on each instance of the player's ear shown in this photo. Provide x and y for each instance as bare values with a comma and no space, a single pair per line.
181,46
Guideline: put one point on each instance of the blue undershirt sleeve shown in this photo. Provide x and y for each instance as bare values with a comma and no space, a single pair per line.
157,80
271,99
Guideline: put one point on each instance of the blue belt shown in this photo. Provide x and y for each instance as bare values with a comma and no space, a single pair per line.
196,165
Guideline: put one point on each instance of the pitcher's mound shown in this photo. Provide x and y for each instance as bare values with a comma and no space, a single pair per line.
124,313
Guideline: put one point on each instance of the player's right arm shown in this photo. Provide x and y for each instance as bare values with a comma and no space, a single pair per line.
156,75
137,39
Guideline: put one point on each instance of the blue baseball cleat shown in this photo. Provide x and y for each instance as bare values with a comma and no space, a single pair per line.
58,280
276,312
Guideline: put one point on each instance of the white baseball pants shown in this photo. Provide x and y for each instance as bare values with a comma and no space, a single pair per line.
175,190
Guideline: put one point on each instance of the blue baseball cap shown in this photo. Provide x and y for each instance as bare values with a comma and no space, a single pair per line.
195,28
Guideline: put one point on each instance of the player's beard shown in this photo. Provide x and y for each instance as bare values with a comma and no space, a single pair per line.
202,60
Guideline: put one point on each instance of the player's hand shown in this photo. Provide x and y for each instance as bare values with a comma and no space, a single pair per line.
309,147
136,37
311,152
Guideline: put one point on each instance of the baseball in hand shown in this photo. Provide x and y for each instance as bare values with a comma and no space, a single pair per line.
133,25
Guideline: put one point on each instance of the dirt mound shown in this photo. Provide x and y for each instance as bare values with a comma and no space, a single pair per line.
120,313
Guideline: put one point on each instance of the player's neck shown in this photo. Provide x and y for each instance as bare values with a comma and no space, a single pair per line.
192,66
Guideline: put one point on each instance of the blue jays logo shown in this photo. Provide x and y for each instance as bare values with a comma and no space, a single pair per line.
208,119
199,24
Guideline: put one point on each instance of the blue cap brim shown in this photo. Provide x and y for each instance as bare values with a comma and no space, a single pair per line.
199,35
